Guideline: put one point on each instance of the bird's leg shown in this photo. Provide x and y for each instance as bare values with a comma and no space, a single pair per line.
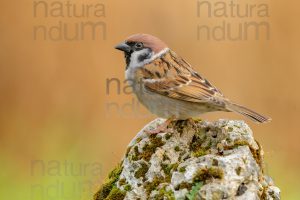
161,128
193,122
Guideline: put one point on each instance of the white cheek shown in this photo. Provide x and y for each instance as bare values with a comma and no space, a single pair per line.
134,61
135,64
129,74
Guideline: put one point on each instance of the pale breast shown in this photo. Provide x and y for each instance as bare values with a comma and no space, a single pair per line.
166,107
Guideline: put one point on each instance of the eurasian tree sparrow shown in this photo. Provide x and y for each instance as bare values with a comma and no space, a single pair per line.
168,86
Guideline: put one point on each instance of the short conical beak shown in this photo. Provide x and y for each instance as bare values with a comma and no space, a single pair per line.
123,47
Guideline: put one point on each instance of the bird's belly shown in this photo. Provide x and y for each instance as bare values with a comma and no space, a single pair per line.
166,107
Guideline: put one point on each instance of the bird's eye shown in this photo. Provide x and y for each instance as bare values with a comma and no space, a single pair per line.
139,45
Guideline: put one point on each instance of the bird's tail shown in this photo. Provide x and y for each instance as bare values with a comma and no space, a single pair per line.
248,113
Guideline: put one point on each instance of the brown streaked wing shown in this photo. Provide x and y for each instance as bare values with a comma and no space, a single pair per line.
173,77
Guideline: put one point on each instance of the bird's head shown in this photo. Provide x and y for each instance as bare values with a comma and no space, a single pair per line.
140,48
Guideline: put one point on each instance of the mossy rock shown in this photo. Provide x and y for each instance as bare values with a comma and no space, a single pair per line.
191,160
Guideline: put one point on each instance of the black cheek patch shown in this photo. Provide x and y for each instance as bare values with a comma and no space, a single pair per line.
127,58
143,57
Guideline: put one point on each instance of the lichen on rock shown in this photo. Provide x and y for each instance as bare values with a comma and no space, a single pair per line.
191,160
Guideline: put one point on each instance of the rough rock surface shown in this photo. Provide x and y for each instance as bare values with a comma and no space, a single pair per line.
191,160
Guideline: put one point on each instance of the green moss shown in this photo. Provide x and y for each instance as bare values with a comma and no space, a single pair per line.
168,179
240,143
199,153
182,169
184,185
175,166
257,155
215,162
217,195
228,140
115,173
238,170
216,172
116,194
156,140
179,125
141,171
106,188
164,194
165,157
134,155
230,129
168,168
127,151
177,148
199,146
164,166
156,181
146,155
196,143
264,193
127,187
104,191
122,181
150,148
237,144
205,174
138,140
150,186
168,136
197,120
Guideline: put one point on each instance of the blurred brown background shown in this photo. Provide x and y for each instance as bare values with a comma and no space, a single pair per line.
54,101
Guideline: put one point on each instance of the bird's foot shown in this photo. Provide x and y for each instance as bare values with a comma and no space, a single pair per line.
193,121
161,128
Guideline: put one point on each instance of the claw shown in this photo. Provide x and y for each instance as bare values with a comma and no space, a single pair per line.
161,128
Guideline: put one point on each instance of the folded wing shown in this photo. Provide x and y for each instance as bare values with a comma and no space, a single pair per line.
171,76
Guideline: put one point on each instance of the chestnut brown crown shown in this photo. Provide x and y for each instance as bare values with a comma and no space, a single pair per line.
149,41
